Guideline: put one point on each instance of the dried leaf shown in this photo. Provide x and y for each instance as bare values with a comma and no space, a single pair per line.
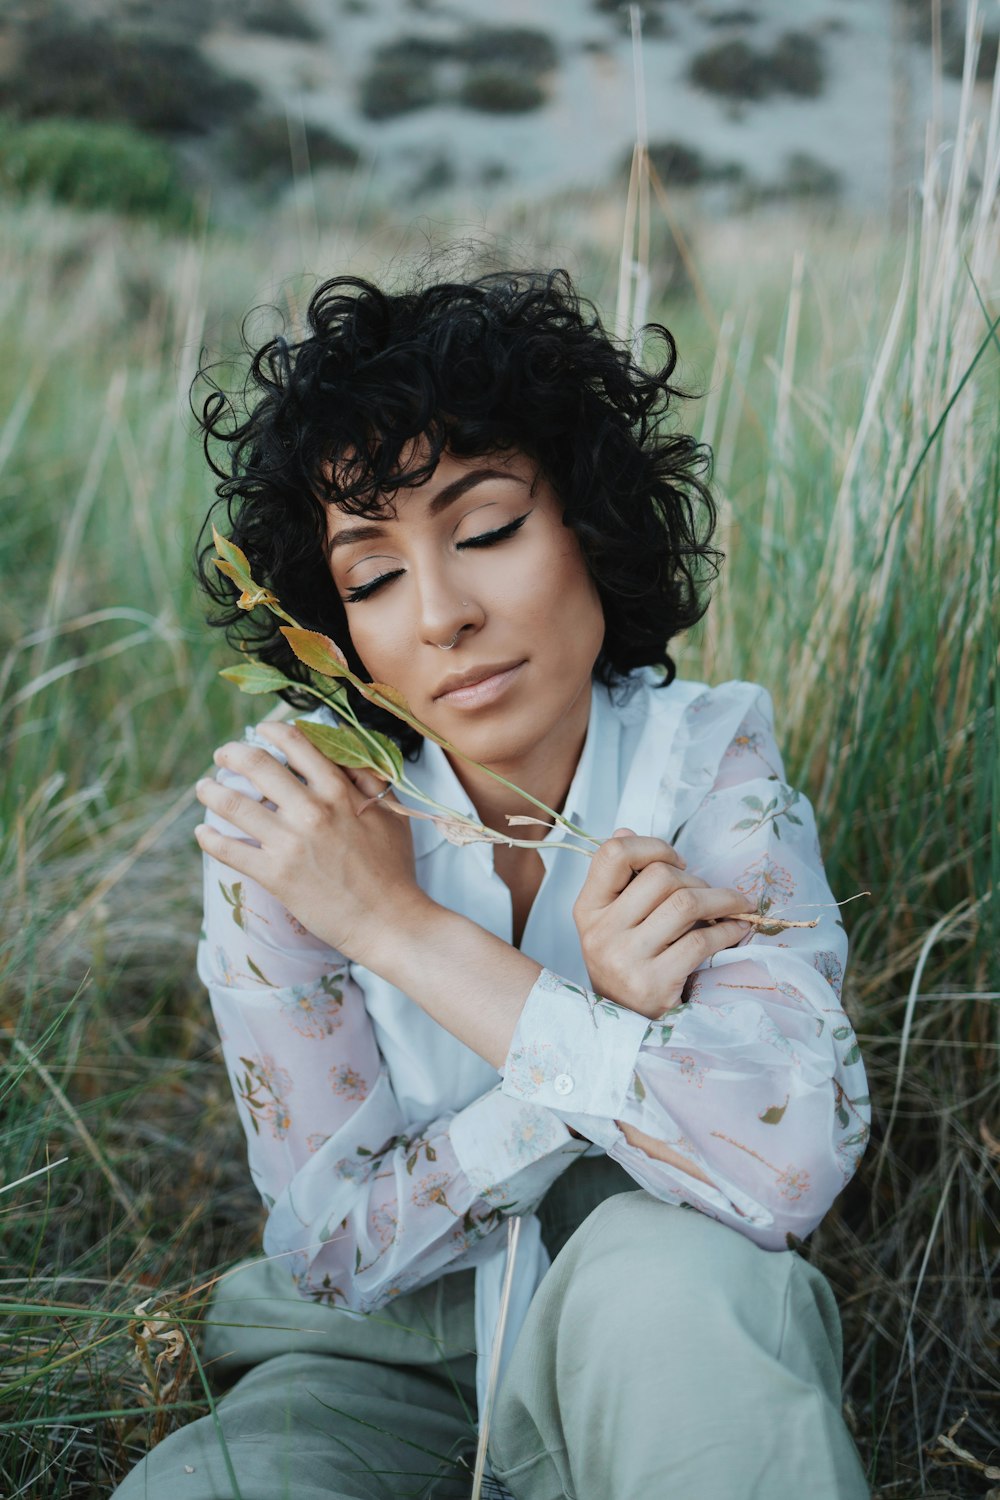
316,650
342,745
521,820
250,598
988,1139
457,832
256,677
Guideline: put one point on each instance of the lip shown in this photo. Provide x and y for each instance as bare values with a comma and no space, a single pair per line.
478,685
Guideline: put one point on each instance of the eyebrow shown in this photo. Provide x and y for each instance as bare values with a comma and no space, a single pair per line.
441,501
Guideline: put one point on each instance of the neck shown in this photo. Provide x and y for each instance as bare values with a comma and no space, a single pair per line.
546,771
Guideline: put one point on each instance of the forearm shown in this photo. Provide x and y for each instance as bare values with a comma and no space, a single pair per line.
470,981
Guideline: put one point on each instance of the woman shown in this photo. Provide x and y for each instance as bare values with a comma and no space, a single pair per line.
470,488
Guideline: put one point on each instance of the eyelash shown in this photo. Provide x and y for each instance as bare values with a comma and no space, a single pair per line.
485,539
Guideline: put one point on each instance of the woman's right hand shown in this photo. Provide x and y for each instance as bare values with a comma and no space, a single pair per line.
637,917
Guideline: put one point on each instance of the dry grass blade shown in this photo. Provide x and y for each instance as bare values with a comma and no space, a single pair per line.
486,1415
107,1172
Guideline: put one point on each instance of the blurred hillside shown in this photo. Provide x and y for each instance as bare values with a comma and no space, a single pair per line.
422,103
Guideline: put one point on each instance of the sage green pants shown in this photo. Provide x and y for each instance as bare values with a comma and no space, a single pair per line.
664,1355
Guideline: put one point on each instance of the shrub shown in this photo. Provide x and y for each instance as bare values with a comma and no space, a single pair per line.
732,68
259,148
93,73
739,71
496,91
653,23
679,165
188,18
93,166
391,88
511,46
808,177
413,51
733,18
795,65
281,18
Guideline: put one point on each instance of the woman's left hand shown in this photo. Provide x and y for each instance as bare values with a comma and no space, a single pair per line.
345,877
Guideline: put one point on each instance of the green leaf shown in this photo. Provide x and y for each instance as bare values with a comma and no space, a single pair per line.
232,554
792,818
393,754
317,651
254,970
745,823
753,802
344,746
234,563
638,1087
852,1055
431,1154
841,1033
256,677
772,1116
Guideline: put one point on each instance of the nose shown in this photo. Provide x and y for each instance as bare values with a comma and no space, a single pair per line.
446,615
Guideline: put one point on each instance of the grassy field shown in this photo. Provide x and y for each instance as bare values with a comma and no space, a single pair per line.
851,392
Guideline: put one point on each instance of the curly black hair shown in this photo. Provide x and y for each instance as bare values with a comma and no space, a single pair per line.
507,361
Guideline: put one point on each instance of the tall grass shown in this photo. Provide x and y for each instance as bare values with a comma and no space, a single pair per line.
851,397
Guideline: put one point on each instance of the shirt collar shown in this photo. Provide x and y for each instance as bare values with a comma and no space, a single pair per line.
592,799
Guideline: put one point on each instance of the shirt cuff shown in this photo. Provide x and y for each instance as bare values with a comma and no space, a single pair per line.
573,1051
501,1140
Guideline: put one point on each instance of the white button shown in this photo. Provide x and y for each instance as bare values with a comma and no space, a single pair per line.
563,1084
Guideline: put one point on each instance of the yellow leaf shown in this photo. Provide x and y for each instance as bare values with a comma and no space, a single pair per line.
390,694
773,1115
317,651
231,553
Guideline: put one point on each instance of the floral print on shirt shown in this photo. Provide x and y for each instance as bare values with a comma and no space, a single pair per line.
755,1078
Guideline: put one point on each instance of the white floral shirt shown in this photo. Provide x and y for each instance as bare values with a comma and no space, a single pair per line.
388,1153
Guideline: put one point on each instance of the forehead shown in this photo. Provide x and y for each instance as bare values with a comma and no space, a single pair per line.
452,478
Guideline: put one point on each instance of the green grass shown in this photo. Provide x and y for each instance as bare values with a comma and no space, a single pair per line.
851,397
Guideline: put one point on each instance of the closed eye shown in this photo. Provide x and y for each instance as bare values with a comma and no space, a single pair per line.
485,539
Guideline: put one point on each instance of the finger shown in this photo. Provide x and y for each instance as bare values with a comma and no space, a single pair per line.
369,783
236,853
303,757
278,783
680,960
617,860
243,813
679,913
650,888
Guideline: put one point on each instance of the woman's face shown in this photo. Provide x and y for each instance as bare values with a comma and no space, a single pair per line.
478,556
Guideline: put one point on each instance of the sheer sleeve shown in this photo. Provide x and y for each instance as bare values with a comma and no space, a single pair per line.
756,1077
363,1203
